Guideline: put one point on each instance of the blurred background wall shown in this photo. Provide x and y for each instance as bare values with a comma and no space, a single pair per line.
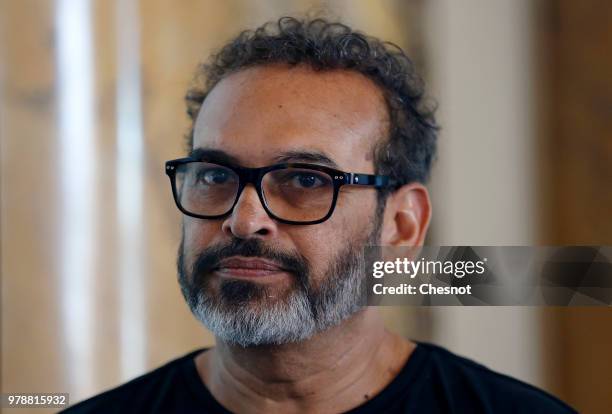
92,106
481,71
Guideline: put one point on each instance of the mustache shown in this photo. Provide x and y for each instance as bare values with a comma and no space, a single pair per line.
209,259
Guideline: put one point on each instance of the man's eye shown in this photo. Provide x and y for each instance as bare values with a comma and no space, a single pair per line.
214,176
308,180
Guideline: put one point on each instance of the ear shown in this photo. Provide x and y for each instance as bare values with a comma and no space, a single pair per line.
407,216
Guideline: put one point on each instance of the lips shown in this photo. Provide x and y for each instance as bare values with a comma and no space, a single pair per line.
248,267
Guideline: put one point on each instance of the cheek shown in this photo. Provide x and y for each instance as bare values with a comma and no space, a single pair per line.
354,214
351,224
198,234
321,243
317,247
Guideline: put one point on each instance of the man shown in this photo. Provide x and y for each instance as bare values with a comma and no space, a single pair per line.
309,142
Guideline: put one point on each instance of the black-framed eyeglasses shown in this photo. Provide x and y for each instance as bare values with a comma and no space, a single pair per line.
292,193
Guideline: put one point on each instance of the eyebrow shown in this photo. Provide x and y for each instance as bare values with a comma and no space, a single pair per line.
212,155
308,156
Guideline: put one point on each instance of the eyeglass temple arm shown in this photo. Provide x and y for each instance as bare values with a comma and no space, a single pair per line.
377,181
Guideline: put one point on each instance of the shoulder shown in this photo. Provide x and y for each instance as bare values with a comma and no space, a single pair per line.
136,395
469,383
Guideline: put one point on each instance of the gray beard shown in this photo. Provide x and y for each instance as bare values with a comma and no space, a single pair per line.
296,318
255,320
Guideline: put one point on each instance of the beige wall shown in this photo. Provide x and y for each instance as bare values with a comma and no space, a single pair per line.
480,55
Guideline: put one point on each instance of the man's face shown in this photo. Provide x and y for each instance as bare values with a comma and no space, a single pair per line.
258,117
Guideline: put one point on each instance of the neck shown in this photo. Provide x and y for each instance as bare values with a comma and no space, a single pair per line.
333,371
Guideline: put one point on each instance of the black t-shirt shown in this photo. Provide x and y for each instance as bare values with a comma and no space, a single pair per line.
433,380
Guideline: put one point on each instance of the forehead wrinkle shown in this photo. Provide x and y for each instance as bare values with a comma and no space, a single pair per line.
305,155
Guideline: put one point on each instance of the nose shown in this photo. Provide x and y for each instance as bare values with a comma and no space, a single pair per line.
249,219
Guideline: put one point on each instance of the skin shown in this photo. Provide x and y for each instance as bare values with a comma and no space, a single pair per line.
254,115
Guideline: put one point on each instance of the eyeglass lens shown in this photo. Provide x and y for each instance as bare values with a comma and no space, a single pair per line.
293,194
